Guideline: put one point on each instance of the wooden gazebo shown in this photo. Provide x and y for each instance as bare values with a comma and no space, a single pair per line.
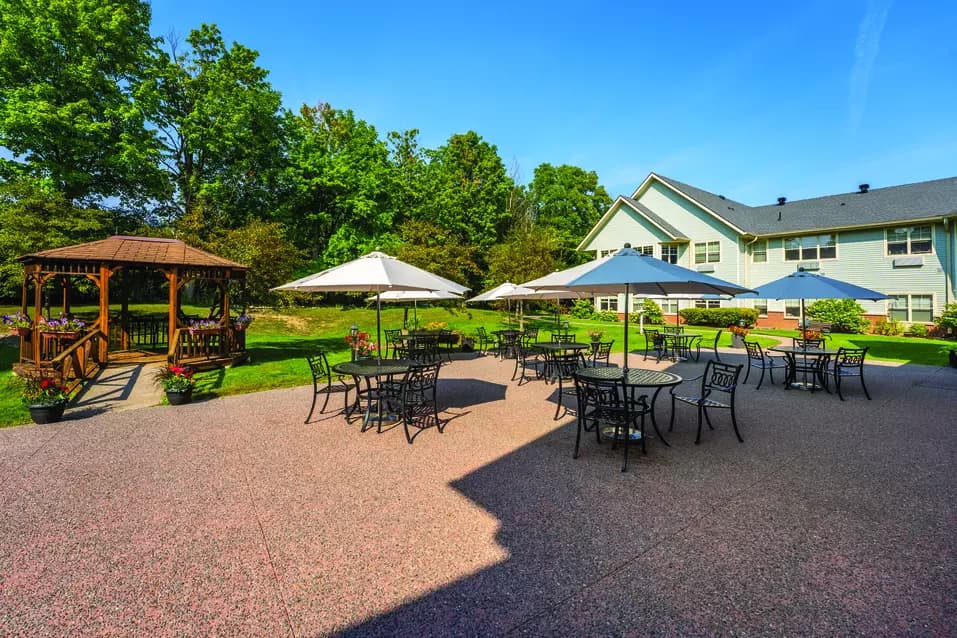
77,357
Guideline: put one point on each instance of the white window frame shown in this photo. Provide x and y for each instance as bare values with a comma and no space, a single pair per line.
707,303
909,308
802,239
755,252
604,252
608,303
708,254
796,304
909,241
647,249
668,306
760,304
672,251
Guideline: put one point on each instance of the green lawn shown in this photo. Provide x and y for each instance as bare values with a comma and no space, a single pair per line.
278,343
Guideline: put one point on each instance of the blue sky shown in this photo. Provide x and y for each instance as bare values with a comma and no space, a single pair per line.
753,100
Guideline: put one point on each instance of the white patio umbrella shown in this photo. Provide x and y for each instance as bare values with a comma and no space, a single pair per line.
415,296
376,272
522,293
636,273
497,294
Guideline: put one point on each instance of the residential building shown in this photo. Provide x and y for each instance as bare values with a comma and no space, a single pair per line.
899,240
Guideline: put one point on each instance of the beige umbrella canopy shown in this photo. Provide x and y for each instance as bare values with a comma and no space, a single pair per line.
376,272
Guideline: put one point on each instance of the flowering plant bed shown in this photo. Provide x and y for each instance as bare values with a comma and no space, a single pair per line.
205,326
811,334
44,391
17,322
361,345
242,322
63,326
738,331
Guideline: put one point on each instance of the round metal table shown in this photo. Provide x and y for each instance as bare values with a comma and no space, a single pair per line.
369,369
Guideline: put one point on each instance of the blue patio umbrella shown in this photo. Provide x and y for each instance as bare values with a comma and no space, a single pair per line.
805,285
633,272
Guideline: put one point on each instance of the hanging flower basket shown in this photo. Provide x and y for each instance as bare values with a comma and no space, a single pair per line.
20,332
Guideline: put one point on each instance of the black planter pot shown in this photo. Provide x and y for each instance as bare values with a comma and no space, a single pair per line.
47,413
952,355
179,398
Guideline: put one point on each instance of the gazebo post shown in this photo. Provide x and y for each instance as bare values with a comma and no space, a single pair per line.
124,311
104,311
37,313
173,277
66,285
225,287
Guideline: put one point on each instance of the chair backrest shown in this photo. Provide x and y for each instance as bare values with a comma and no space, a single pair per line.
807,343
393,336
603,351
850,357
754,350
423,348
420,382
565,365
562,337
714,346
593,393
674,329
720,377
319,366
480,331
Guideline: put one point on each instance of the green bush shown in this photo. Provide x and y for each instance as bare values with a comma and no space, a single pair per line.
918,330
583,309
888,328
653,313
719,317
948,319
606,315
844,315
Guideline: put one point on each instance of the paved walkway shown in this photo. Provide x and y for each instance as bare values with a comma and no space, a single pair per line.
232,517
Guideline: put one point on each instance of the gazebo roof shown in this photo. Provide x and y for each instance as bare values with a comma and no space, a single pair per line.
142,251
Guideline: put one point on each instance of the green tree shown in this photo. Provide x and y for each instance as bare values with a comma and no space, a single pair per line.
528,252
220,128
467,191
68,72
36,217
569,200
341,176
262,246
437,250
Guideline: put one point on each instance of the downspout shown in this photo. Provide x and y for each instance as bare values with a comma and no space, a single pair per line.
951,262
747,265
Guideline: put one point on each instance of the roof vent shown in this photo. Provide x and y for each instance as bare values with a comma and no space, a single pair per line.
720,196
864,187
781,200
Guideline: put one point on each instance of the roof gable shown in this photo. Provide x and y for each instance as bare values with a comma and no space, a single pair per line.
147,251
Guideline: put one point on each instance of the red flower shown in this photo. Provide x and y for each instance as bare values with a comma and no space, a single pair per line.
46,383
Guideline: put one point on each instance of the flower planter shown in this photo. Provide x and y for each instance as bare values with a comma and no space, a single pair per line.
47,413
952,357
20,332
61,334
179,397
737,341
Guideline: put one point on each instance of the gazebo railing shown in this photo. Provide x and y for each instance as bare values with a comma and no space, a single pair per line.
77,363
209,344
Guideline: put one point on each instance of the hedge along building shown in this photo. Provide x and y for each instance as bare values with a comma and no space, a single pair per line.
77,357
899,240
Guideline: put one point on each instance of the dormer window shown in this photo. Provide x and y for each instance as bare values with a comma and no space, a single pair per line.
910,240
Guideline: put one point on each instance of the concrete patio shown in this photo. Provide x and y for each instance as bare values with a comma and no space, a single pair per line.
232,518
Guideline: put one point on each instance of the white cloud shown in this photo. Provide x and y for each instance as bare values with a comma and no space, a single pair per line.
865,53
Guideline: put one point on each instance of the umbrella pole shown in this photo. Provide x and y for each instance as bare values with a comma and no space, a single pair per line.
415,314
378,326
627,290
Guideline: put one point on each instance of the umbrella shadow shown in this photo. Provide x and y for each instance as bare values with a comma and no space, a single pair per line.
465,393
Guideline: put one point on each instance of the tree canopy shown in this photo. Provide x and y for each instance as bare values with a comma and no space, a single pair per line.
104,128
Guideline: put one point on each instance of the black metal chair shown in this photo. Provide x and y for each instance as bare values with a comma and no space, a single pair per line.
563,337
813,366
809,344
719,380
654,340
562,368
325,382
527,358
393,343
418,406
507,345
446,338
423,349
532,334
714,346
483,339
602,403
757,358
601,353
849,362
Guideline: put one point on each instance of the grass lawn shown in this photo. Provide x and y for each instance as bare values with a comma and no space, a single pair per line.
278,343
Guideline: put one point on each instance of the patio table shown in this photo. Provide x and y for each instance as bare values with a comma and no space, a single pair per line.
680,343
368,369
636,378
820,358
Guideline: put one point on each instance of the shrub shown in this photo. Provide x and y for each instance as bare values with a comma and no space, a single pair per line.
844,315
889,328
918,330
583,309
653,313
606,315
948,319
719,317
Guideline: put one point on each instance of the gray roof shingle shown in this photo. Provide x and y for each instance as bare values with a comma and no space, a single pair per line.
935,198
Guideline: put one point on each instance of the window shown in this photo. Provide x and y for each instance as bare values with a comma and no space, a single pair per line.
707,303
761,305
608,303
669,253
910,241
646,250
759,251
607,251
668,306
792,308
905,307
810,248
707,252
